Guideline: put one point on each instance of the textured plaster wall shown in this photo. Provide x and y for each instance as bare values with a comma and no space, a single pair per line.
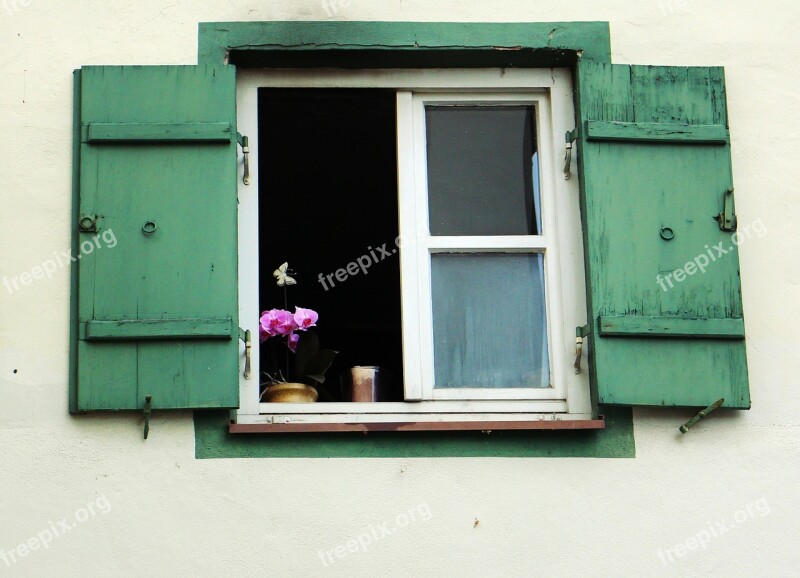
171,515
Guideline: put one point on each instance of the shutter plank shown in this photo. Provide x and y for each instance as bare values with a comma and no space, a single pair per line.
159,329
636,325
98,132
656,132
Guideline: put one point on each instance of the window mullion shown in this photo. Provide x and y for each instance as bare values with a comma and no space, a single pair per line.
411,295
424,334
501,244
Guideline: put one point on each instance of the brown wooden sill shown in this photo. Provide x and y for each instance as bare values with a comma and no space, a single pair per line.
583,424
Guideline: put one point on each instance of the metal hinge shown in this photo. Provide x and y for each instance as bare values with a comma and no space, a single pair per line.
570,137
245,144
727,218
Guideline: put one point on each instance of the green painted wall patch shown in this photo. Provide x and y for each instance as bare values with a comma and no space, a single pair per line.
213,441
219,40
419,44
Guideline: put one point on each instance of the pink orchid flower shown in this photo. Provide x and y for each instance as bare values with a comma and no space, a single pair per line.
284,322
292,342
276,322
305,318
267,325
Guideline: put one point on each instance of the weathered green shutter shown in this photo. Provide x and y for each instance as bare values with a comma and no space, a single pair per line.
156,231
655,170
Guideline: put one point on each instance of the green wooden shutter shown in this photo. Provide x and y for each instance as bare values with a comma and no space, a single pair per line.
655,163
156,229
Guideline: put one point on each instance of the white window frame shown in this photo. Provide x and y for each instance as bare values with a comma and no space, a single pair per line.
418,347
550,91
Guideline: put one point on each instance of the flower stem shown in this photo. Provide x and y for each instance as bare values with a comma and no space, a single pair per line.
286,307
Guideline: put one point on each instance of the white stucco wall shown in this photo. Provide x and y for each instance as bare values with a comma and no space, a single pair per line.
160,512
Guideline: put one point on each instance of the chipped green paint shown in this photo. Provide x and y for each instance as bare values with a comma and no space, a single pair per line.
632,190
74,242
643,326
656,132
213,441
393,43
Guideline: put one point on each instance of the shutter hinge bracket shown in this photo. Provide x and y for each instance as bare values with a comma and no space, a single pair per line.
580,334
247,337
727,218
245,144
688,425
148,411
570,137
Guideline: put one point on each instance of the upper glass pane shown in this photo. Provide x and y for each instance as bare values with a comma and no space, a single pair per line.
481,170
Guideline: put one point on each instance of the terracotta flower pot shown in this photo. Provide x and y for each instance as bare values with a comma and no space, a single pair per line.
290,393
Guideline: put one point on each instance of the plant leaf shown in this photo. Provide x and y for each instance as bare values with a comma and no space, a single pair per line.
307,348
318,364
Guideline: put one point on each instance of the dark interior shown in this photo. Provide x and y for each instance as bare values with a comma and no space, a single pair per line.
500,57
328,196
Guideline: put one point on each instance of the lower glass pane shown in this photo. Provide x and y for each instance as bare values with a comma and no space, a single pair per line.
489,322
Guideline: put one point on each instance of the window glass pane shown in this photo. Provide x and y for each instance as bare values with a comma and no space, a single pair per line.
480,170
489,324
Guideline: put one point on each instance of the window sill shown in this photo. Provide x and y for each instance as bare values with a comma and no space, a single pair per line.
410,426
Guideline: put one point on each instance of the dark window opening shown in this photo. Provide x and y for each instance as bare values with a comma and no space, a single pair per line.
327,199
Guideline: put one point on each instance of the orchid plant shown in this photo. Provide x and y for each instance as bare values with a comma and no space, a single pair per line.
292,331
279,322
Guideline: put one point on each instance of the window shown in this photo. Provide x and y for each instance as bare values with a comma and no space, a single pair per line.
155,321
474,216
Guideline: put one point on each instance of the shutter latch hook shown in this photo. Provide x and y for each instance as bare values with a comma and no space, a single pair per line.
727,218
148,411
247,337
245,142
248,353
580,334
570,137
687,426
